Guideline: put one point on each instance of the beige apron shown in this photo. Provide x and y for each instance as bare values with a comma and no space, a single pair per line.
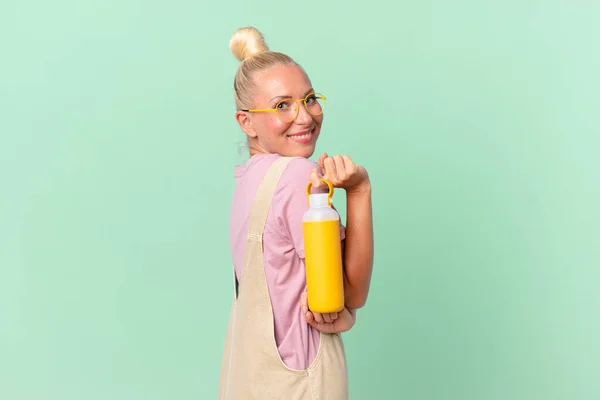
252,367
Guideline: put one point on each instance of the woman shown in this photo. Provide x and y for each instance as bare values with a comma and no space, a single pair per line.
275,347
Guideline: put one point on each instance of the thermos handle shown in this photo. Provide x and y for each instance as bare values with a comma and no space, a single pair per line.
330,190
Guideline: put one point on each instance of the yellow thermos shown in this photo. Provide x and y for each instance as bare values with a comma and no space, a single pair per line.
323,253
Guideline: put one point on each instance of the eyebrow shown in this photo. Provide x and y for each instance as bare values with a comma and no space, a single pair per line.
311,90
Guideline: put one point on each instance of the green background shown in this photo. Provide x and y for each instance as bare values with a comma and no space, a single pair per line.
477,121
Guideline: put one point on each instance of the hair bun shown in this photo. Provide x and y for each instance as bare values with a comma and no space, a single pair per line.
247,42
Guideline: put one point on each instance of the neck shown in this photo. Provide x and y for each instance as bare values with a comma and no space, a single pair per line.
255,148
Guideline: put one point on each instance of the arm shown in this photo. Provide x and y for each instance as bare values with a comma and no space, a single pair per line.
357,248
289,205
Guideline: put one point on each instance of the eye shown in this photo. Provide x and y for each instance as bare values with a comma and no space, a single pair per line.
311,99
285,104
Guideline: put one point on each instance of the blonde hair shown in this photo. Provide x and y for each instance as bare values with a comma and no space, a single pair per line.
248,45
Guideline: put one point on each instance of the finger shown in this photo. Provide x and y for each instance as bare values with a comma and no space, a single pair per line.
327,318
330,170
349,164
318,317
334,316
304,302
322,327
309,318
320,162
340,168
315,179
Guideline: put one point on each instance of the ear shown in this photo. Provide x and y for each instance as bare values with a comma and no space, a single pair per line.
245,120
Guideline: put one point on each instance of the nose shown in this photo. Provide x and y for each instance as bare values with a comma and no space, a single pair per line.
303,116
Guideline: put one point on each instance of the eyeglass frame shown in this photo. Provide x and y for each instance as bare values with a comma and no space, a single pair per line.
274,109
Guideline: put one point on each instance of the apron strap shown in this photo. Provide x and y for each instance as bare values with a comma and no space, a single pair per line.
261,207
264,195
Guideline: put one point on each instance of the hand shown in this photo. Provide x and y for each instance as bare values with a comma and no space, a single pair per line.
341,171
328,323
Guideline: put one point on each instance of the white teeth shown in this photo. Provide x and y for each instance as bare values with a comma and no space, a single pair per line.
305,136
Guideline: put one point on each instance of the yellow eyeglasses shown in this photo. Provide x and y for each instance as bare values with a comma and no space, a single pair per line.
287,109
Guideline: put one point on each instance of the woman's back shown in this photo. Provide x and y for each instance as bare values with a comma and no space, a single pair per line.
297,341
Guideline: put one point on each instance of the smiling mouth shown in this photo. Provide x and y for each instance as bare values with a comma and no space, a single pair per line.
302,137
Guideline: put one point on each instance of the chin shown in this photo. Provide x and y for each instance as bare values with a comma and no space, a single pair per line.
306,153
305,150
296,151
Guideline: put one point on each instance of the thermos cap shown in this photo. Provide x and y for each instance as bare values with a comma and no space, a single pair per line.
319,200
327,196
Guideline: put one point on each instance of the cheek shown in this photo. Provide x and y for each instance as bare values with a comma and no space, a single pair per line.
269,127
274,126
318,120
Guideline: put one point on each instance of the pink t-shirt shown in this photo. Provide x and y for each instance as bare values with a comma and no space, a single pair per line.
283,245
